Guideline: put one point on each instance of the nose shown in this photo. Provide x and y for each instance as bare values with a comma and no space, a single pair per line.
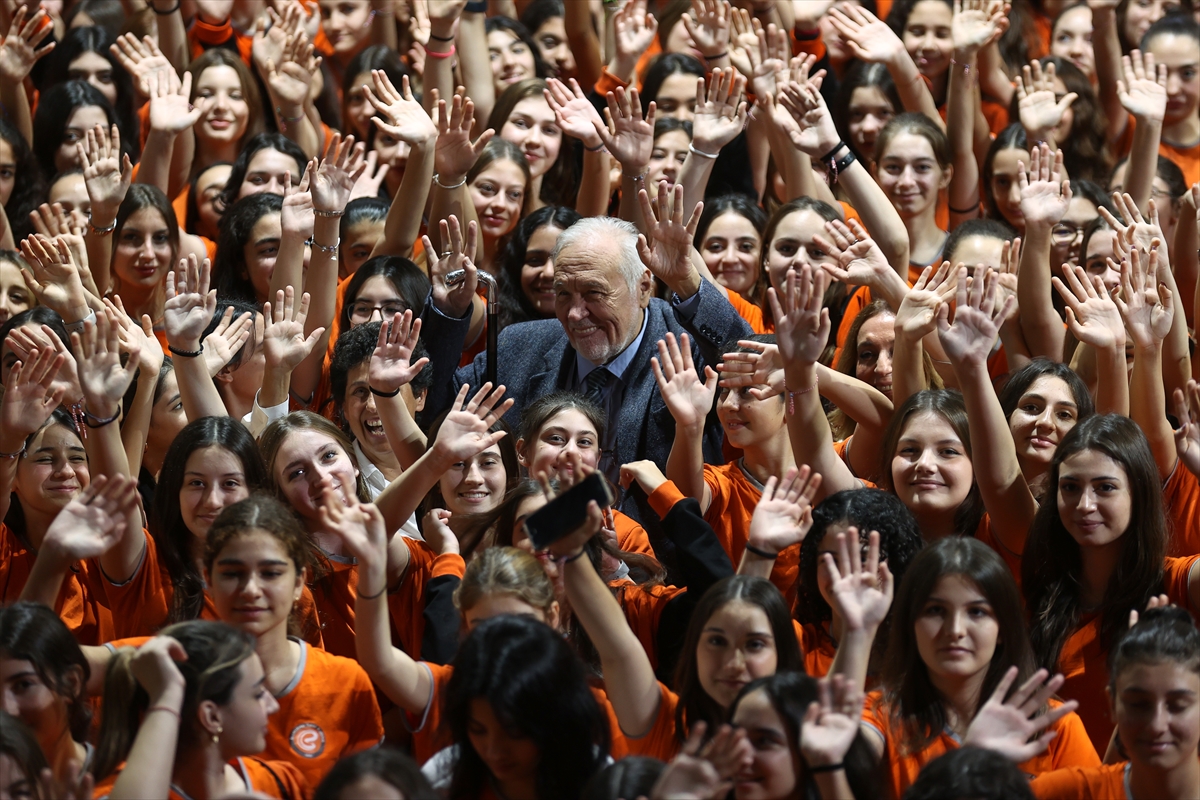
208,500
148,248
371,403
956,625
221,100
883,365
272,704
925,461
473,475
10,704
1174,84
376,315
1087,500
1045,419
251,588
907,177
1014,194
534,136
729,401
62,469
578,310
277,186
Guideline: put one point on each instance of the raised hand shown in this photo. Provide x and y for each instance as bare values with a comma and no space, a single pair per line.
25,340
141,58
1009,726
633,32
1045,195
284,343
720,114
688,398
704,770
20,49
464,432
869,38
455,153
1145,304
783,516
170,110
361,528
290,80
333,182
1139,231
977,319
1142,89
391,363
801,324
453,300
190,304
404,118
862,592
917,315
271,35
1187,438
669,257
977,23
1040,110
831,723
52,221
298,216
107,172
102,376
760,368
438,533
94,521
859,259
814,132
574,113
53,277
646,474
371,179
224,341
707,22
138,338
30,395
1092,315
154,667
628,137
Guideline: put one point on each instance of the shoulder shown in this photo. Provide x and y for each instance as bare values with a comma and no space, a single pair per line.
331,670
538,330
1105,781
279,779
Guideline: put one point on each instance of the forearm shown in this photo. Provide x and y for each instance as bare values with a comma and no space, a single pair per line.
593,197
295,123
151,761
447,202
383,24
197,391
321,284
585,46
439,69
45,578
960,107
862,402
694,175
908,368
16,106
475,64
406,439
403,223
106,456
834,785
1112,382
1147,405
182,155
172,36
753,565
808,431
99,250
853,658
6,232
685,463
914,92
1040,323
403,495
993,80
1106,47
136,425
881,220
156,160
630,210
1142,166
1185,257
289,263
1176,358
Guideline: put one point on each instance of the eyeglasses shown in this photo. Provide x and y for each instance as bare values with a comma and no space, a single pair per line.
364,310
1065,232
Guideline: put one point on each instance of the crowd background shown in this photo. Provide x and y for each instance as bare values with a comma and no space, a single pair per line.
877,316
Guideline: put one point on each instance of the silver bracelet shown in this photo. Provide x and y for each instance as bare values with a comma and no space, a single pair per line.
438,180
701,153
318,212
327,249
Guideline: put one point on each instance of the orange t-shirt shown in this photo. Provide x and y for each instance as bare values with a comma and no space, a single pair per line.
749,312
631,537
1084,663
734,496
277,779
141,605
81,601
660,741
1105,782
817,648
328,712
1186,157
985,534
643,607
1069,748
1181,501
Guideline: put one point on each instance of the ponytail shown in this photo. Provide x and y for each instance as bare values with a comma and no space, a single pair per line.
124,703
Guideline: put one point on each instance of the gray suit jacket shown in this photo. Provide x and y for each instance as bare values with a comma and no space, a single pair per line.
535,359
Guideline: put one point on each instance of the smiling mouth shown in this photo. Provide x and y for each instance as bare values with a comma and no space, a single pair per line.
374,427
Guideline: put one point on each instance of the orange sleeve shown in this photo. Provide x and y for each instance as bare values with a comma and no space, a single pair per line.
427,734
808,43
277,779
406,605
643,609
631,537
817,649
1181,498
618,747
143,125
749,312
1176,572
984,534
647,59
1093,783
660,742
607,82
997,116
142,604
179,206
1071,746
204,35
664,498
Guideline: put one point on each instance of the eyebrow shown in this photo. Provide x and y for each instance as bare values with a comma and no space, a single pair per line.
49,449
1095,478
266,240
564,430
940,441
1033,396
266,562
935,599
762,634
26,674
222,475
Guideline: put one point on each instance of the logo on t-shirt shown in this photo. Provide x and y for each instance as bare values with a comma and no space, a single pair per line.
308,739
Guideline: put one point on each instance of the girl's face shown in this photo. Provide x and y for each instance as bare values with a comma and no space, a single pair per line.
680,41
261,250
512,60
876,342
1006,186
8,171
308,463
167,417
96,70
358,109
870,110
909,174
226,113
1179,53
82,120
927,37
1073,38
1095,502
551,39
213,480
1044,414
29,699
677,96
509,755
1157,709
793,245
53,471
143,253
774,771
209,186
377,299
956,630
1062,133
357,244
566,433
71,191
1080,211
931,470
346,23
736,646
254,582
476,485
537,273
1101,248
498,193
244,717
667,157
749,422
269,171
732,249
15,296
1141,14
370,786
14,783
393,152
531,126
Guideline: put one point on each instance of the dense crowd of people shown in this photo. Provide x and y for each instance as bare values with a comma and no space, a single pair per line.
875,319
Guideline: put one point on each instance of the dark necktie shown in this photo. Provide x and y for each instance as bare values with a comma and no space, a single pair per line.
594,384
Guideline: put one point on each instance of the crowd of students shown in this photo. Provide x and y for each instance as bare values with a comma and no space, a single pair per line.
877,317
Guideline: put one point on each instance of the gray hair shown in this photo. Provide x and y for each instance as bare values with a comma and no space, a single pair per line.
593,230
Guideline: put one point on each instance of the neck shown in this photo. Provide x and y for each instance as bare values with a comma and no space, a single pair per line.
142,301
960,696
1099,564
152,460
62,751
521,789
280,658
208,153
924,236
535,193
935,525
202,773
385,461
1185,132
772,457
1177,783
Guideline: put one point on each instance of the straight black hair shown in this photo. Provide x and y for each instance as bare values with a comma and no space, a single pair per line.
33,632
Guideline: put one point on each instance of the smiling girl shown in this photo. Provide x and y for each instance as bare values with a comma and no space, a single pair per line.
526,271
233,111
500,186
524,117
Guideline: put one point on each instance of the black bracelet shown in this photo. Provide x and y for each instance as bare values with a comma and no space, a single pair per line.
178,3
970,210
441,38
374,596
569,559
476,7
833,152
827,768
378,393
758,551
717,57
175,351
845,161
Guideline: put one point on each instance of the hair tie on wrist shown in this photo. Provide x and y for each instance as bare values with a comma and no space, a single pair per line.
378,393
827,767
717,57
447,54
175,351
375,596
441,38
164,708
595,149
569,559
169,11
92,421
758,551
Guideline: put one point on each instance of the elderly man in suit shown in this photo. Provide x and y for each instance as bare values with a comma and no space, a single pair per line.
607,328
